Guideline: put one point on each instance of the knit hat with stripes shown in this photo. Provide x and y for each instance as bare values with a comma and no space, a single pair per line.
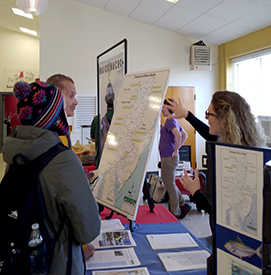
41,105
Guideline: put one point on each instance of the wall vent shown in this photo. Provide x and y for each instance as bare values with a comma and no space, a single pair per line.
200,58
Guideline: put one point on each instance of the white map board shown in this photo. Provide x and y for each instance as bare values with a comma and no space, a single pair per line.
239,179
124,158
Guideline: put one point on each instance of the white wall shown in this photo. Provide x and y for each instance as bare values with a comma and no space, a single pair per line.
74,33
18,52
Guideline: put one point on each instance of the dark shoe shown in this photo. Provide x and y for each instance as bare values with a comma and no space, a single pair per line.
184,210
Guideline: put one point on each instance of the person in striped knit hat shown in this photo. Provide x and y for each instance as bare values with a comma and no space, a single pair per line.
64,184
41,105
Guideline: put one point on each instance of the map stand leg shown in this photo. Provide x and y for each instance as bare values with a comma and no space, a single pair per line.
110,215
146,192
132,225
101,208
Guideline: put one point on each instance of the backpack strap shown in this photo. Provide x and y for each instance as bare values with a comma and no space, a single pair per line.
42,161
69,263
37,165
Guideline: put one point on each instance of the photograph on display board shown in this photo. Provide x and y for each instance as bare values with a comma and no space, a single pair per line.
229,264
111,68
236,245
111,74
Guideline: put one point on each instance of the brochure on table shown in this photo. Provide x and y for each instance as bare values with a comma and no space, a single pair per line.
112,239
171,241
185,260
113,258
134,271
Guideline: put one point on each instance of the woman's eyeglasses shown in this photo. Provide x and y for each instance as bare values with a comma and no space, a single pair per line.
207,114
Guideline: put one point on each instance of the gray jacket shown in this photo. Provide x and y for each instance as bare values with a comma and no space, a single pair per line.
64,186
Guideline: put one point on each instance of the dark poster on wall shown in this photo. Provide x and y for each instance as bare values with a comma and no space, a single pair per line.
111,68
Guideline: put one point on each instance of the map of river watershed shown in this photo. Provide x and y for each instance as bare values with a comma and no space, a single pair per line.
124,158
239,184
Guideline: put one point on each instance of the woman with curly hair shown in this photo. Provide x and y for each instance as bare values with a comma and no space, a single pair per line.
235,120
230,121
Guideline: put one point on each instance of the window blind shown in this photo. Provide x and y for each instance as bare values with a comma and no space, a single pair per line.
251,55
85,110
251,79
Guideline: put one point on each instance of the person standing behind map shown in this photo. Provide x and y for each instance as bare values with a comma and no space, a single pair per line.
231,122
105,123
172,137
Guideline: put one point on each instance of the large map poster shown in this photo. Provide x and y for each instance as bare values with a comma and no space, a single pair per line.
124,158
239,190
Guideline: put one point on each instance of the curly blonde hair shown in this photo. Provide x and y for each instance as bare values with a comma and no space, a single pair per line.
238,124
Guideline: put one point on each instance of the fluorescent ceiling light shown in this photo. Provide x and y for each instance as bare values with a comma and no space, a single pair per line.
173,1
21,13
28,31
35,7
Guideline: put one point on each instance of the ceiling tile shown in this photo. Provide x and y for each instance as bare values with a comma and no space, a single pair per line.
226,33
264,1
176,18
122,7
245,6
199,5
152,10
97,3
203,25
257,20
225,13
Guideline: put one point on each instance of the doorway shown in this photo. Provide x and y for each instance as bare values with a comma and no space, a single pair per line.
187,97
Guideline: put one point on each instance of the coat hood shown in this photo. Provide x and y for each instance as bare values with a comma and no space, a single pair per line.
29,141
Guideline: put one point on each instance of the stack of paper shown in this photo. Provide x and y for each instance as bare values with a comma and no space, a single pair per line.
116,238
134,271
185,260
171,241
